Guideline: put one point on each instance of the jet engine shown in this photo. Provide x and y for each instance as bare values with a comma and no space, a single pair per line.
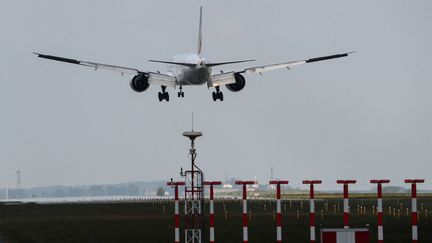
139,83
238,85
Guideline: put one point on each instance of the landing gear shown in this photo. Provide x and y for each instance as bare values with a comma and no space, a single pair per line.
163,95
218,95
180,93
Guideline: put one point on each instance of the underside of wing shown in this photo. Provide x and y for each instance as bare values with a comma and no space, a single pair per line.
221,79
289,65
162,79
266,68
123,70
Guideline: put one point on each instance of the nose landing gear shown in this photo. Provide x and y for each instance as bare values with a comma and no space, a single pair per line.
180,93
218,95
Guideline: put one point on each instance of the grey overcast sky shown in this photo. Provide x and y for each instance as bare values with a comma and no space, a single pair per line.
365,116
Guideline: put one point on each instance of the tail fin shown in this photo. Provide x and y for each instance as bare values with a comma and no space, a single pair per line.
200,33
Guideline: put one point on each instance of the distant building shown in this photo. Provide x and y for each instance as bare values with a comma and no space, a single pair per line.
227,186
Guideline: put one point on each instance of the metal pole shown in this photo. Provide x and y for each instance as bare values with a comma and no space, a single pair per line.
414,207
278,209
212,222
245,216
177,216
346,206
380,208
312,207
278,215
346,202
245,212
414,212
176,210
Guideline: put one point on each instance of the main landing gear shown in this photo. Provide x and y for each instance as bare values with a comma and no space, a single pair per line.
180,93
163,95
218,95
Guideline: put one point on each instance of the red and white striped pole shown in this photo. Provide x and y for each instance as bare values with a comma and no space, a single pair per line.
212,223
312,207
278,209
245,212
380,208
176,209
346,203
414,207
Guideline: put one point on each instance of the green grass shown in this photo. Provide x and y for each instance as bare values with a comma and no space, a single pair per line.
153,221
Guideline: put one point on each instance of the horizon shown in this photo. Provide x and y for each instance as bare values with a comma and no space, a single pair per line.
300,186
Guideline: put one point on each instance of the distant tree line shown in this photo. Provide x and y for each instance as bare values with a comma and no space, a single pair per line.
123,189
156,188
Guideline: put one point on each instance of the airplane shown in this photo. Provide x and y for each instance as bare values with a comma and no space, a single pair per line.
191,69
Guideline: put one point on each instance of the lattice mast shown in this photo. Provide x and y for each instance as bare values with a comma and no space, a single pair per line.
194,195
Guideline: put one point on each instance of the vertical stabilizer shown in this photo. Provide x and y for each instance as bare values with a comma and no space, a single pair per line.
200,33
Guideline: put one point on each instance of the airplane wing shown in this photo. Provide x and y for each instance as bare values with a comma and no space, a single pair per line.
162,79
221,79
122,70
289,65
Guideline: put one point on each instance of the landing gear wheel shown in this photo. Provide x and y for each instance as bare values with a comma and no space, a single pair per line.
217,96
163,95
180,93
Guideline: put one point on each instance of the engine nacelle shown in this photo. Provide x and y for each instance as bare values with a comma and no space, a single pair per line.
139,83
238,85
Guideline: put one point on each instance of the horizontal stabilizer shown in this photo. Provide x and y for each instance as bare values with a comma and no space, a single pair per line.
225,63
175,63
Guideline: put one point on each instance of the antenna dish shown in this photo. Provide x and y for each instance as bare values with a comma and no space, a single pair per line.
192,135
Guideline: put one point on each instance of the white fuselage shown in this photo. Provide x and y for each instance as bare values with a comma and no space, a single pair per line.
197,75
